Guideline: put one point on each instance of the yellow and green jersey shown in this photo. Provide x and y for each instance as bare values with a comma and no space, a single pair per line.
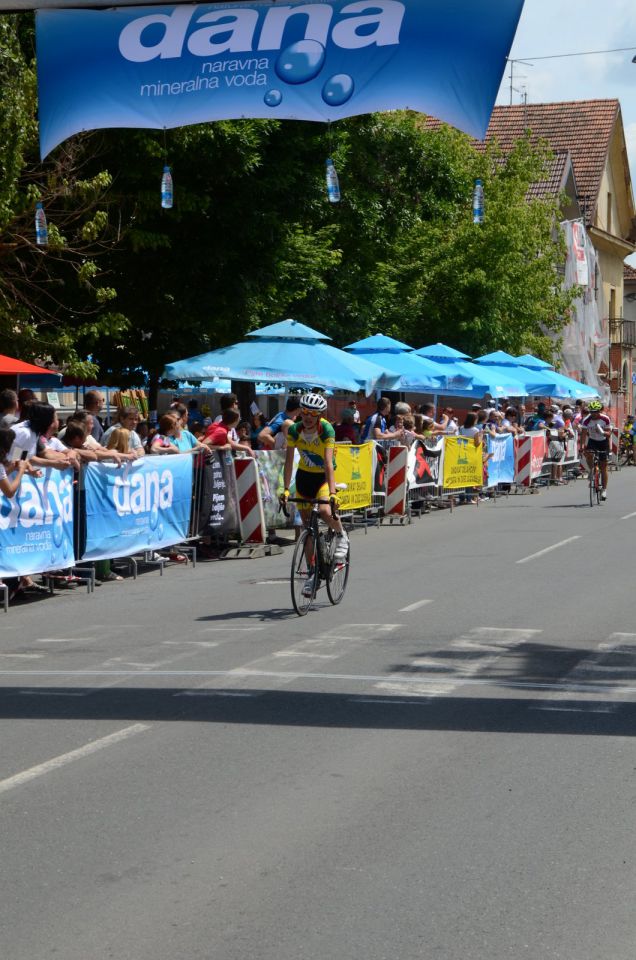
311,447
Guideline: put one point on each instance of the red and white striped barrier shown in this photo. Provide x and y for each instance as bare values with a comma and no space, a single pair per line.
529,455
248,491
396,485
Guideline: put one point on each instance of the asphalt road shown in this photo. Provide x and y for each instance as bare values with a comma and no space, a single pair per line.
441,767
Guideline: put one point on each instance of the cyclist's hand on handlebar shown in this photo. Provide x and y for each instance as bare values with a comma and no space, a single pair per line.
334,500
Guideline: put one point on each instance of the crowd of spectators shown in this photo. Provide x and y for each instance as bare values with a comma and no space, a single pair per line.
32,438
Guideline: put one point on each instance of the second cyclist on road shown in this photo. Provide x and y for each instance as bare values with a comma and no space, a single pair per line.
597,429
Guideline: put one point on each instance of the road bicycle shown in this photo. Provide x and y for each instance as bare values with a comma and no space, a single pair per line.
595,480
313,562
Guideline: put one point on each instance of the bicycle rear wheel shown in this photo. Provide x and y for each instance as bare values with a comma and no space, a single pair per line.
338,576
597,484
303,573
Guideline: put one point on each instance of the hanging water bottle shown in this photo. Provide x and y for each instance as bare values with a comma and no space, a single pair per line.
166,189
478,202
333,186
41,229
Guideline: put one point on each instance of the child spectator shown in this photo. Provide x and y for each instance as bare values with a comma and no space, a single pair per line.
218,436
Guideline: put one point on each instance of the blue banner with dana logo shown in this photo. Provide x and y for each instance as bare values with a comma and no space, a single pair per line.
501,465
36,525
144,505
169,66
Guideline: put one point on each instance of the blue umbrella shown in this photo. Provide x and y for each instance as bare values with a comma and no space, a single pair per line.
565,386
416,374
497,383
441,353
538,378
286,352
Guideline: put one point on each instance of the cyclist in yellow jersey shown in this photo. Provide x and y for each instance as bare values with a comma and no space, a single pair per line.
315,440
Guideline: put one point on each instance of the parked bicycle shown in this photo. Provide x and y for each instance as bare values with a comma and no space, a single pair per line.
314,563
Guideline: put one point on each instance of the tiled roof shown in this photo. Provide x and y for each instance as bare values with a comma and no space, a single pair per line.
584,127
629,273
551,186
581,127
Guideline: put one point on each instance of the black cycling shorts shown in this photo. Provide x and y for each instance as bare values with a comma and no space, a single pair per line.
601,447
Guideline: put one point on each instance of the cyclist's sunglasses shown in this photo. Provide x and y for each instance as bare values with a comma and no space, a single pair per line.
305,412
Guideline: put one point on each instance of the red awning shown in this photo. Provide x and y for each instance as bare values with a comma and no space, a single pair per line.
11,367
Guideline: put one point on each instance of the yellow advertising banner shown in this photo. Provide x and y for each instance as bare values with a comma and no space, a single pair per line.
462,463
354,466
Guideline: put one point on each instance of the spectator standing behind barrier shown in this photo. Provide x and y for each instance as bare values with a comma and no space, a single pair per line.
428,410
195,417
218,436
93,403
346,430
164,441
353,406
183,439
18,467
375,426
274,435
8,408
30,437
555,436
229,401
9,487
128,417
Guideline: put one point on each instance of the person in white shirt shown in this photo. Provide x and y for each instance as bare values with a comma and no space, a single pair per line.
596,429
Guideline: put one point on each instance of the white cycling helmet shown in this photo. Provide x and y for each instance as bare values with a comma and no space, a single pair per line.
313,403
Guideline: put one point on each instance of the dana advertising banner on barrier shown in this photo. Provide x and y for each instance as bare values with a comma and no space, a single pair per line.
170,66
144,505
36,525
501,462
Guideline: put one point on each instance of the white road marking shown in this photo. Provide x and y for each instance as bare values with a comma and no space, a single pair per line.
224,629
605,676
408,681
414,606
458,664
56,762
51,693
629,516
191,643
65,640
266,583
555,546
215,693
22,656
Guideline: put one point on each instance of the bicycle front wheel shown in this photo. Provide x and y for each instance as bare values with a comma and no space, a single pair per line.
591,483
337,577
597,485
303,573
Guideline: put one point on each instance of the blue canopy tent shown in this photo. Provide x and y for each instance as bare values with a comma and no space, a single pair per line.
287,352
539,377
494,382
566,386
539,382
416,373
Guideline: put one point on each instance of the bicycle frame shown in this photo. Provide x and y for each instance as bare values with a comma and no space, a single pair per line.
313,562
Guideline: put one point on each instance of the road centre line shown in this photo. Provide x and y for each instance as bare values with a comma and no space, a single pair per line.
555,546
414,606
629,516
56,762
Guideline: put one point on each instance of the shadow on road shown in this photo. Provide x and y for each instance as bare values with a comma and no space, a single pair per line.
289,708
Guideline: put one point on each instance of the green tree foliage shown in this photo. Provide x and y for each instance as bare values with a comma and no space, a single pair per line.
252,238
55,298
